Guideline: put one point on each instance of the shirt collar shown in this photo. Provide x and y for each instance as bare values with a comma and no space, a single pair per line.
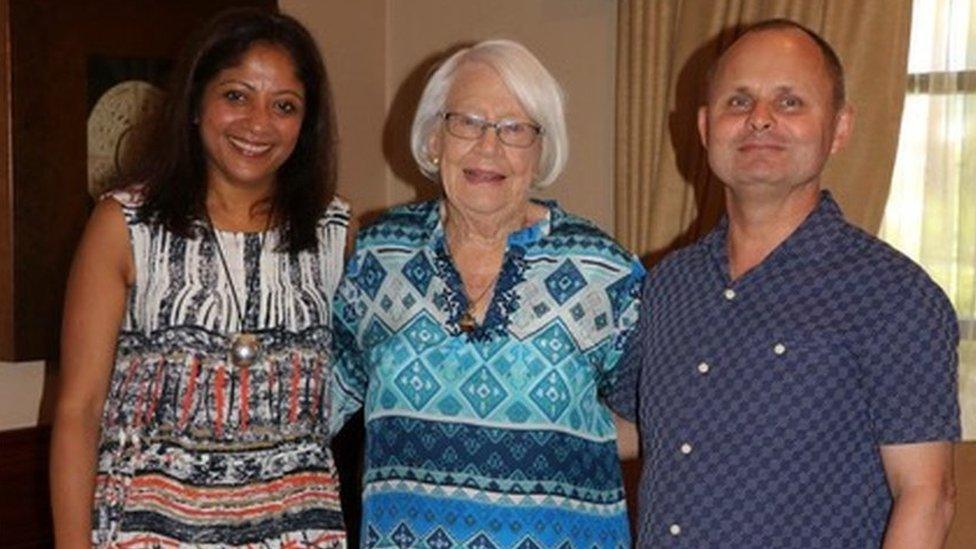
808,240
523,237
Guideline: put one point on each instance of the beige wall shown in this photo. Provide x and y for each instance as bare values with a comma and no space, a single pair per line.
379,51
352,37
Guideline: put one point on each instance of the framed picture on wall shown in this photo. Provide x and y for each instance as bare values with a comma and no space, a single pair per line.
80,77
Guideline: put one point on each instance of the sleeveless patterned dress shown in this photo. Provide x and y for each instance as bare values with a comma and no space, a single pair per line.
195,451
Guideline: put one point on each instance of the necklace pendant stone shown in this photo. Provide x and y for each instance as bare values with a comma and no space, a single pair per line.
244,350
466,323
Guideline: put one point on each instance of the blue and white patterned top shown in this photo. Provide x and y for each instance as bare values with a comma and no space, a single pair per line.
497,437
763,401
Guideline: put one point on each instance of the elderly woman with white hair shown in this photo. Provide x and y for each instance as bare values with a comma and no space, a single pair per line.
482,331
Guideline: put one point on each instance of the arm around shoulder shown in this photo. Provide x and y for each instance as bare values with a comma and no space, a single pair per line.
95,299
628,441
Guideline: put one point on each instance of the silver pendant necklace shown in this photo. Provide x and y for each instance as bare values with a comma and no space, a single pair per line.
467,323
245,348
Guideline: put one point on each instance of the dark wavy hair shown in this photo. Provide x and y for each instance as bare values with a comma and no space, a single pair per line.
173,166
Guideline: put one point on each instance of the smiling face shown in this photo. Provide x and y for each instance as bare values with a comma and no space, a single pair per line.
484,176
770,123
250,117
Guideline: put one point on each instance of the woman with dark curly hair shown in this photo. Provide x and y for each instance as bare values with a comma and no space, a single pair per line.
195,349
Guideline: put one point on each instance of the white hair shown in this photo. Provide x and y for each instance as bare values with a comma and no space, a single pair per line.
536,90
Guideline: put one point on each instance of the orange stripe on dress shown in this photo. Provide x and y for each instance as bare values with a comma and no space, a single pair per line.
190,511
188,395
328,537
219,398
296,370
147,541
245,397
316,383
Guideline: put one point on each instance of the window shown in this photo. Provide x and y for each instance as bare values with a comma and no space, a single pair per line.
931,210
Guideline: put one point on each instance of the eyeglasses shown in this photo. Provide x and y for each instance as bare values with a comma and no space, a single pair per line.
509,132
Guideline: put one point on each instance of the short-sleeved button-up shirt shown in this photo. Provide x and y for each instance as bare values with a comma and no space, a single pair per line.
763,401
498,437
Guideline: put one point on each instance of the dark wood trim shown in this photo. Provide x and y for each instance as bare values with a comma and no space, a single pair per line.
25,516
6,192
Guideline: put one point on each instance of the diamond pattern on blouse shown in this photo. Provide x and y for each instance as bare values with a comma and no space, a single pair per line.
483,392
371,275
417,384
418,271
551,395
424,333
554,343
565,282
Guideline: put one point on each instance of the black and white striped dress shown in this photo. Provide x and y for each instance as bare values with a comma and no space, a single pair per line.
195,451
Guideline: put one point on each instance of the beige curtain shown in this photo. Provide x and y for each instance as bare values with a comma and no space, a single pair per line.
665,196
931,215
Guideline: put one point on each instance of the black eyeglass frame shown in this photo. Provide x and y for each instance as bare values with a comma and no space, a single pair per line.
497,126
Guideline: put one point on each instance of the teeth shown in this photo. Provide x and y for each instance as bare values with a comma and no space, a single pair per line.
249,149
482,174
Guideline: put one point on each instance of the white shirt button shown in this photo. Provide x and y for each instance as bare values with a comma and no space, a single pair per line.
686,448
703,368
675,529
779,348
729,294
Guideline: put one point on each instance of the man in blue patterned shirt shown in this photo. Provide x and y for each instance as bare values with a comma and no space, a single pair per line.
796,376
